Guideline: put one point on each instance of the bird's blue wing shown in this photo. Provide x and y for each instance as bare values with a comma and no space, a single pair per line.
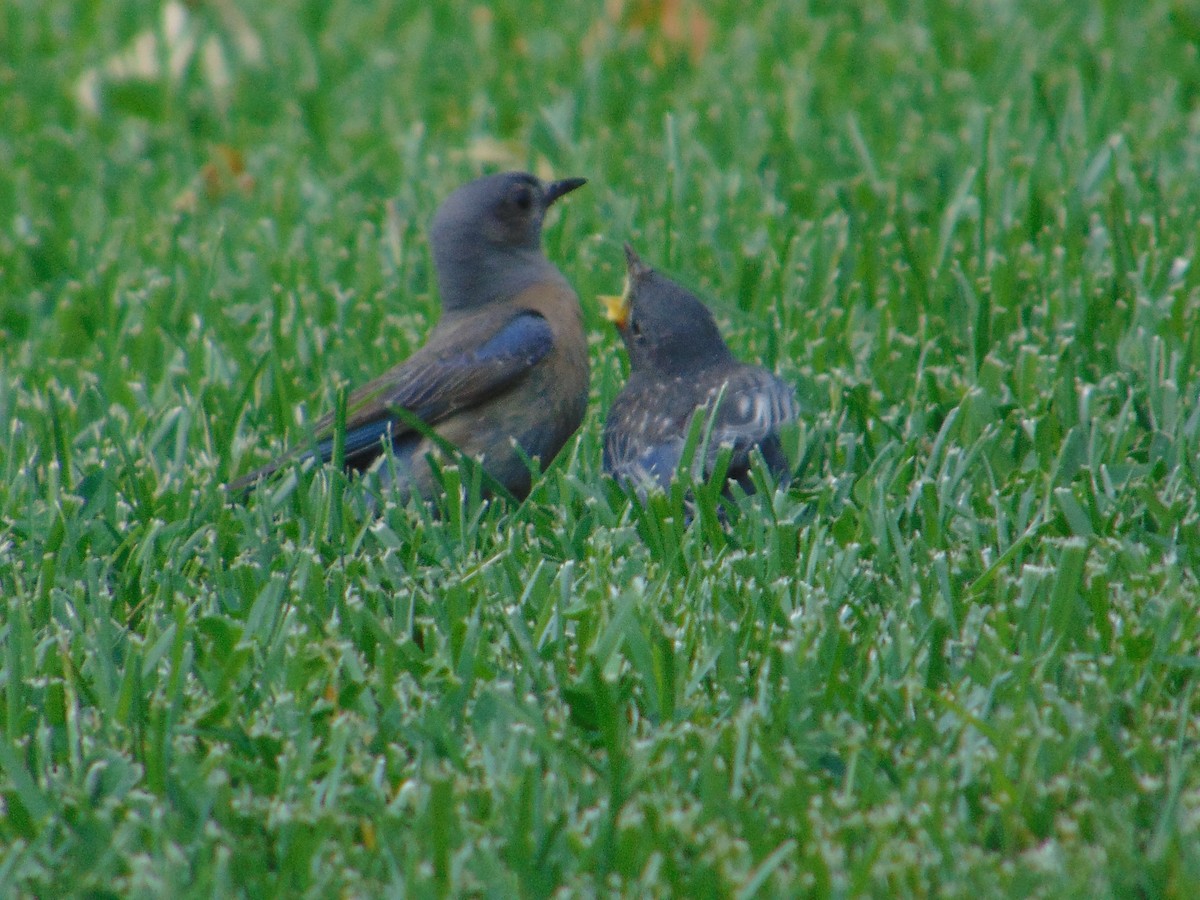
476,363
359,440
467,364
465,375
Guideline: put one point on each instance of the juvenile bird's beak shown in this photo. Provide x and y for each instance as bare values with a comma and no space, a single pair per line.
556,189
616,309
633,263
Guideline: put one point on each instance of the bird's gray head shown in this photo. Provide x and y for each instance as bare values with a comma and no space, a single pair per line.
487,238
667,330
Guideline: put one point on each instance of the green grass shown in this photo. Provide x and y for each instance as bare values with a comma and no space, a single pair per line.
959,656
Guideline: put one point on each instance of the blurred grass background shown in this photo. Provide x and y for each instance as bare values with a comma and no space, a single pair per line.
957,657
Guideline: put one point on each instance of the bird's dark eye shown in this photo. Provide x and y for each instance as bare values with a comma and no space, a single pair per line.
523,198
635,328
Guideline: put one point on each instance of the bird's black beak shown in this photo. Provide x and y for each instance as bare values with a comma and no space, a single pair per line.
556,189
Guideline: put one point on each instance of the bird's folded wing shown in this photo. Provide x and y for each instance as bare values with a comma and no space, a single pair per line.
754,405
445,376
441,379
648,443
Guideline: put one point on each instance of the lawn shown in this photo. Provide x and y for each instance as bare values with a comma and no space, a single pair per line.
957,656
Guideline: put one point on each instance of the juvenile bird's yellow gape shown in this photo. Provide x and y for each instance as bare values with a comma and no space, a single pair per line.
616,307
504,375
680,366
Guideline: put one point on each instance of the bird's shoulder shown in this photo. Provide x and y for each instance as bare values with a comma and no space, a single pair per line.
554,300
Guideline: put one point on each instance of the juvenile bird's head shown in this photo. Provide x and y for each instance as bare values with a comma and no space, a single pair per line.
667,330
487,238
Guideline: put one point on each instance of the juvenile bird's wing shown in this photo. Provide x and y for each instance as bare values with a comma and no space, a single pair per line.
754,406
648,425
459,368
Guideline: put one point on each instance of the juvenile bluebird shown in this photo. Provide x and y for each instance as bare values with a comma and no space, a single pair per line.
679,366
504,374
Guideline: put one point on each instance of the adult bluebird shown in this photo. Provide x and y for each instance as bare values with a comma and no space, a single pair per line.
680,366
504,374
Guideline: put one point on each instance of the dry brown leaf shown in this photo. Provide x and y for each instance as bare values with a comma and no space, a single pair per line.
672,24
225,172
